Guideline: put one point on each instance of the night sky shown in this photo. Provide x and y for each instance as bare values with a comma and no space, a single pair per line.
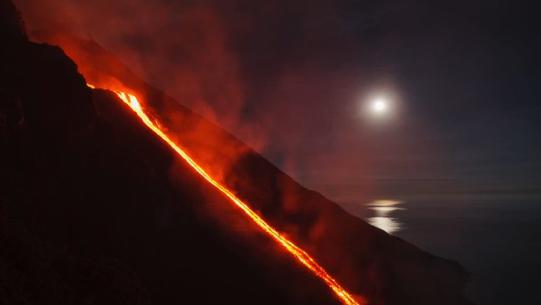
292,80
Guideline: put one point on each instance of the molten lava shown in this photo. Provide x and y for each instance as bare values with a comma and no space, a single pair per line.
303,257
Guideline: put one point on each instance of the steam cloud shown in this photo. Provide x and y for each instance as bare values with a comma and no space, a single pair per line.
283,77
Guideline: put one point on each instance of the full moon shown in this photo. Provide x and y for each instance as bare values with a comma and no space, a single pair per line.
379,105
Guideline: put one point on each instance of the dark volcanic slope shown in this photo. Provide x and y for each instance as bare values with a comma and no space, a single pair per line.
96,210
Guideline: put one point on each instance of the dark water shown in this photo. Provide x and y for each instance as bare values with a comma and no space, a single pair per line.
496,239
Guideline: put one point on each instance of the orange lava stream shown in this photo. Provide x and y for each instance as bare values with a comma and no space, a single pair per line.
303,257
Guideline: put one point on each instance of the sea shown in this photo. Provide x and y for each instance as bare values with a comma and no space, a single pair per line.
496,238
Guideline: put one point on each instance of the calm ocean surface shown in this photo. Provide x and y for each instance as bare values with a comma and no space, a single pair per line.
496,239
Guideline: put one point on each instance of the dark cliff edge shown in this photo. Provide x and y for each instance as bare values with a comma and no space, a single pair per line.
94,209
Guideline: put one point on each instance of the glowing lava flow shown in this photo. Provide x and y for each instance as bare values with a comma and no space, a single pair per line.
297,252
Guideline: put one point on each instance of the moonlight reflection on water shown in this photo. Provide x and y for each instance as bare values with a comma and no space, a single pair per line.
381,218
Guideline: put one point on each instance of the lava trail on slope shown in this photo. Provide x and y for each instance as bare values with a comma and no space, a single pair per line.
302,256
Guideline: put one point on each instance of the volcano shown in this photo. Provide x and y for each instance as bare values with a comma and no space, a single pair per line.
96,209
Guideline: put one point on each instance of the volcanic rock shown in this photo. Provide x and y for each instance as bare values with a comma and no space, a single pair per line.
95,209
